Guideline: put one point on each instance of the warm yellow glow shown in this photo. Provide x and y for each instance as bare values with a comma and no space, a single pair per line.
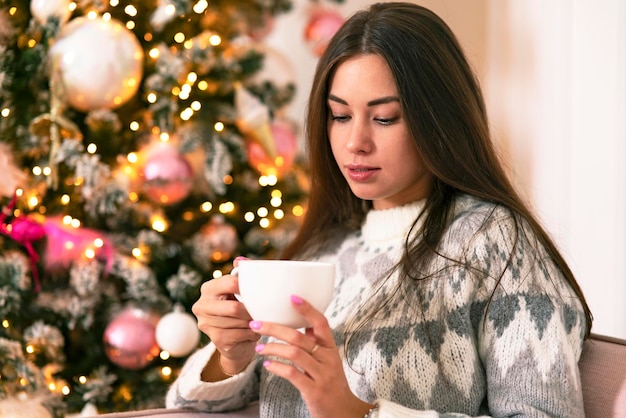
106,16
188,216
23,381
66,390
186,114
92,15
206,207
98,243
228,179
179,37
154,53
215,40
132,157
203,85
279,214
170,9
227,207
188,44
262,212
5,112
200,6
134,126
72,6
69,245
164,355
276,202
82,380
67,219
272,179
264,223
136,252
219,126
151,98
166,371
65,199
297,210
277,193
5,323
13,10
90,253
47,171
19,192
196,105
52,386
33,201
32,43
164,136
133,196
217,274
130,25
175,91
30,349
192,77
92,148
249,216
37,170
75,223
130,10
158,223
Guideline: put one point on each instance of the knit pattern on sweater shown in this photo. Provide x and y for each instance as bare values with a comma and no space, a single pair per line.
498,334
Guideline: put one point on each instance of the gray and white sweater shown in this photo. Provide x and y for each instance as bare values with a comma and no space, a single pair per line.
468,351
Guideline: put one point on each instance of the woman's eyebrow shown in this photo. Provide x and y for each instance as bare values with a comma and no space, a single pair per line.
375,102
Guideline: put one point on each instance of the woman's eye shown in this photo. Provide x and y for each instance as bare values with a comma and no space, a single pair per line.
339,118
386,121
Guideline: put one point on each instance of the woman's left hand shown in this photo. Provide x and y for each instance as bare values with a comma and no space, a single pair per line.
315,364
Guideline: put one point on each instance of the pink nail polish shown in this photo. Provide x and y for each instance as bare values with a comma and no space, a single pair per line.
266,363
296,300
255,325
239,257
259,348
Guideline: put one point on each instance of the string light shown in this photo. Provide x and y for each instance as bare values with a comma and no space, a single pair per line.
217,274
249,216
206,207
5,323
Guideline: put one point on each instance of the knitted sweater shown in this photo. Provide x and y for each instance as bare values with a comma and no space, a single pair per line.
473,348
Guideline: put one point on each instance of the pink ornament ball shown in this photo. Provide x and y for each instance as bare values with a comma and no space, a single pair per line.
168,176
286,147
129,339
321,27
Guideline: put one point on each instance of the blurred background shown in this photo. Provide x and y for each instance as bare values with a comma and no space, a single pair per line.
144,145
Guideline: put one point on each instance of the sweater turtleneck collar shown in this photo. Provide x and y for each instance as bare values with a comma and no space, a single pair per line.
390,224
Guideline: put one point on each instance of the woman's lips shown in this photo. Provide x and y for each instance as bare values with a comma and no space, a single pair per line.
360,172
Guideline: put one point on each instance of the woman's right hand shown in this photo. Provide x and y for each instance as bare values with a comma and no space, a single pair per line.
225,321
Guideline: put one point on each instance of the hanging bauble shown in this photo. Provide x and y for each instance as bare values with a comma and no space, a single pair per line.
253,119
321,27
42,10
220,237
100,61
285,143
177,332
168,176
129,339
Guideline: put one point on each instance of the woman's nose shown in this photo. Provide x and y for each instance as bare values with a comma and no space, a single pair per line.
359,140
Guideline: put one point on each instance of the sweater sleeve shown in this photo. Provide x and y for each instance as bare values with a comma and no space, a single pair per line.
189,392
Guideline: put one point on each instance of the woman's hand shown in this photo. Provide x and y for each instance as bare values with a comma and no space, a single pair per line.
225,321
315,364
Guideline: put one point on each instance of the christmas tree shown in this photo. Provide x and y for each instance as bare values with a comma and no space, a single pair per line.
142,147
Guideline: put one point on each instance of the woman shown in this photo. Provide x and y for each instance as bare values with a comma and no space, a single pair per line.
451,297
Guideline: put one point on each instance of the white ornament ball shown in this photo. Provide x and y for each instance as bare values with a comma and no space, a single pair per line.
177,333
100,61
44,9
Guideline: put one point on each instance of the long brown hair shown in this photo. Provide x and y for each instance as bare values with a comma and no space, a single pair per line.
445,112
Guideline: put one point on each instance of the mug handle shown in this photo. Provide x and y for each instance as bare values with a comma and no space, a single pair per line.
235,272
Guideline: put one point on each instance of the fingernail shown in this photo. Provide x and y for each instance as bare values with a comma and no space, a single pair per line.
296,300
266,363
256,325
239,257
259,348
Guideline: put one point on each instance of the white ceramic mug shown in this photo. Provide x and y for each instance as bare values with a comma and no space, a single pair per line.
266,286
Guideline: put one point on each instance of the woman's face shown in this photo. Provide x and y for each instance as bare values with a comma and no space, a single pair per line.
369,136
